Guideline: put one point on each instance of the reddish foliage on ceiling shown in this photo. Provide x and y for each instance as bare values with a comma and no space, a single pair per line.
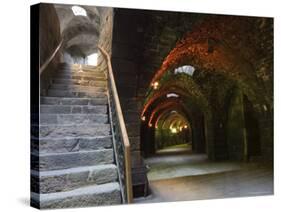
218,44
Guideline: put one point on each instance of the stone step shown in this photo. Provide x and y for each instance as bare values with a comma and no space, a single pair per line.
72,101
87,89
83,72
80,73
47,118
74,131
68,144
73,109
81,77
105,194
66,93
85,67
55,161
78,87
68,179
96,83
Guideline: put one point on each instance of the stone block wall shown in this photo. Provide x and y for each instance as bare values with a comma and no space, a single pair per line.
126,49
49,39
236,132
105,37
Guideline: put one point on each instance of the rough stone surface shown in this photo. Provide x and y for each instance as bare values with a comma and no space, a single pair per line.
67,179
60,131
73,109
53,161
73,101
72,155
50,37
80,82
80,33
73,118
82,77
67,144
73,93
78,88
106,194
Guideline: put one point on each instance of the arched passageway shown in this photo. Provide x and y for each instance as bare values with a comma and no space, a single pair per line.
204,103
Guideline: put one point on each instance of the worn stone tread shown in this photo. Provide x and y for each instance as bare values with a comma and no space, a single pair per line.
70,144
74,131
105,194
72,101
96,82
71,178
73,109
49,118
72,152
54,161
70,74
77,87
73,93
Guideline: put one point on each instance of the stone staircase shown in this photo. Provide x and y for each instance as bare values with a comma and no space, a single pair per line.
76,157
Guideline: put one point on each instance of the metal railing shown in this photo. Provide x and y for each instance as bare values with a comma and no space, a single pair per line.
119,135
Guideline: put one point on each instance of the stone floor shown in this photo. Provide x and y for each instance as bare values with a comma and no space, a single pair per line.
181,175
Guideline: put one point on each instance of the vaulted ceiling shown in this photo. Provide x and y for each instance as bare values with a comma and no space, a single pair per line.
80,32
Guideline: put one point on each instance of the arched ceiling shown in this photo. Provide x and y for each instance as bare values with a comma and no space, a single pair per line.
223,46
80,33
189,94
172,118
223,51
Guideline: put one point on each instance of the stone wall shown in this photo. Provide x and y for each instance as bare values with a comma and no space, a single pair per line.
126,49
105,38
236,132
49,39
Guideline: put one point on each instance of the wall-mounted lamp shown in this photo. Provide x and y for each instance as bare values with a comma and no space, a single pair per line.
173,130
155,85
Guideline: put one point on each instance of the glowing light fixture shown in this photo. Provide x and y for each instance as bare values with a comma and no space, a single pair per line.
185,69
169,95
173,130
79,11
185,126
155,85
143,118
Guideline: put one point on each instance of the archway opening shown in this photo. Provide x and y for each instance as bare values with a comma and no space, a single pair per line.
172,133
